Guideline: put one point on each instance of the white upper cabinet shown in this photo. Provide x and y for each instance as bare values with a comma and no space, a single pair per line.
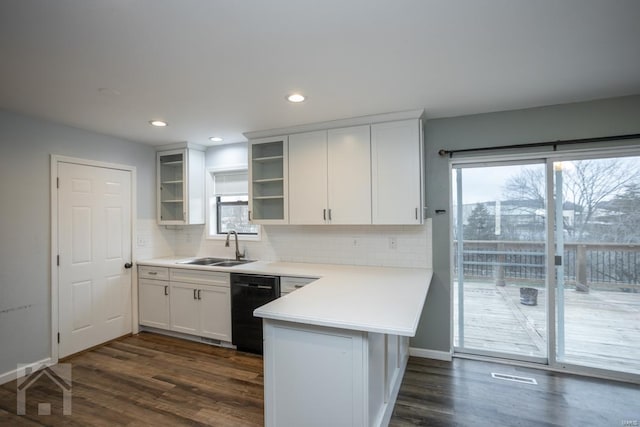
308,178
397,173
268,186
330,177
349,175
180,176
363,170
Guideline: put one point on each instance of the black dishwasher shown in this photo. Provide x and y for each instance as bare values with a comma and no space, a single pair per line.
248,292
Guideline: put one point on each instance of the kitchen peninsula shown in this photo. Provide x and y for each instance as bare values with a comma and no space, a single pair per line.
335,350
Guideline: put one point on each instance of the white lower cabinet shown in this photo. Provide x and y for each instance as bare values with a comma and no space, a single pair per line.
193,302
154,303
201,303
215,312
184,308
321,376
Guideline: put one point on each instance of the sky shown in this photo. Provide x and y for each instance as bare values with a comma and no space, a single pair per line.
485,184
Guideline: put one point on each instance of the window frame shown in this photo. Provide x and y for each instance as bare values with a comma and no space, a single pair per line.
212,207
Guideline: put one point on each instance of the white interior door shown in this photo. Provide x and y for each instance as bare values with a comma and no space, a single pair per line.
94,244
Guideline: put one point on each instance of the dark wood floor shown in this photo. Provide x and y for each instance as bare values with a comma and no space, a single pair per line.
462,392
156,380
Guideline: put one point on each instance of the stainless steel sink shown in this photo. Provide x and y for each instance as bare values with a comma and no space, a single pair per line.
231,263
203,261
216,262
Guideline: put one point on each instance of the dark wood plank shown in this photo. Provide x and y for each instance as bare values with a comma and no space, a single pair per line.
150,379
462,392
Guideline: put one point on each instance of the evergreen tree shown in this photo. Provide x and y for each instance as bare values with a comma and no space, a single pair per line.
480,225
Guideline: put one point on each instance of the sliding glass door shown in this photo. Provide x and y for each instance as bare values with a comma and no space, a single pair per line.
597,257
546,261
500,247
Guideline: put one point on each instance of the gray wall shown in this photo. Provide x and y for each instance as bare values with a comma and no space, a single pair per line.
568,121
26,146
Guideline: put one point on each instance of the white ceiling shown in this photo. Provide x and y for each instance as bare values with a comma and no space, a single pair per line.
223,67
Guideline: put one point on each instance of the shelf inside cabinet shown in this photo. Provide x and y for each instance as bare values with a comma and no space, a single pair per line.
267,159
171,163
268,197
179,181
258,181
172,201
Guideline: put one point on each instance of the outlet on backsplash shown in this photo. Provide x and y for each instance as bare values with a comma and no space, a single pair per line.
393,243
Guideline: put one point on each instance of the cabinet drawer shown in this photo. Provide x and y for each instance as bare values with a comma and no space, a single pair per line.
199,277
290,283
158,273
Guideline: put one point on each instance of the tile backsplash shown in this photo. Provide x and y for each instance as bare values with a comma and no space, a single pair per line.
389,246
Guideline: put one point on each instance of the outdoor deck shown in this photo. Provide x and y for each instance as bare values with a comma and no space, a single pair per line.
602,328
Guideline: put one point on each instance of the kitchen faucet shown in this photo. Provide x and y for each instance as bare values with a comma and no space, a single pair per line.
239,255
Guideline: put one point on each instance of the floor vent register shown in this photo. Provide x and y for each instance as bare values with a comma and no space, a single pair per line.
507,377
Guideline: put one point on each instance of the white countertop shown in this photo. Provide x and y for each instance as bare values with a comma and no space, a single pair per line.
372,299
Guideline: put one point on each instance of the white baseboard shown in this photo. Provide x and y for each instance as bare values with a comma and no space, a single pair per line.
12,375
430,354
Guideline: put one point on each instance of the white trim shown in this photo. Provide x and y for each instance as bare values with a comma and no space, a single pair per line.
55,160
209,193
550,276
430,354
13,374
181,146
333,124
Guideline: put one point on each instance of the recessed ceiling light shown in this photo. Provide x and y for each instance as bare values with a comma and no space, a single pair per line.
215,139
158,123
295,97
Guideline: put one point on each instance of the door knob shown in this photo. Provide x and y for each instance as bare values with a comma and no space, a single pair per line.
128,265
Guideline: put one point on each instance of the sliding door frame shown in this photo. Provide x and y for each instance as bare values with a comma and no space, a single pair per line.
548,157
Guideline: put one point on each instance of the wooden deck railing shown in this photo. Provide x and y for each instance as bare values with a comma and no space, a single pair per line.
603,265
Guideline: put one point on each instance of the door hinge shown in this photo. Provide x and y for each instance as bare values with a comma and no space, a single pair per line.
58,260
58,337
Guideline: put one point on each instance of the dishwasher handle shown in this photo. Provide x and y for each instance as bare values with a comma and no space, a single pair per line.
249,285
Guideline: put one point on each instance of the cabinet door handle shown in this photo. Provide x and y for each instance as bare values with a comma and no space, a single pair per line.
195,294
324,214
416,213
199,294
249,215
152,273
329,214
298,286
166,290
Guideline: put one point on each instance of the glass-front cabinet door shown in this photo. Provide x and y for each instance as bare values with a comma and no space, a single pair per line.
171,174
268,189
180,175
